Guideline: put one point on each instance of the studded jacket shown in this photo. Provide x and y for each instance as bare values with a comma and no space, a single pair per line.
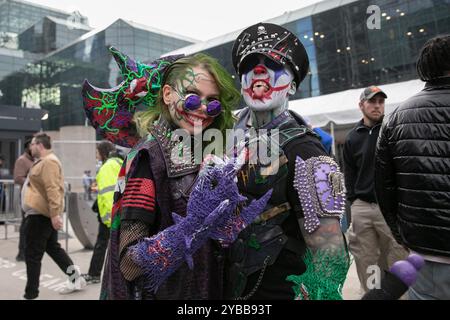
271,249
150,188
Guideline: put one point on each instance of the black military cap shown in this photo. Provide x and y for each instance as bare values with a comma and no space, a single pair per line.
276,43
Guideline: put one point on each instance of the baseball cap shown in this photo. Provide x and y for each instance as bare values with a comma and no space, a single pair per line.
370,92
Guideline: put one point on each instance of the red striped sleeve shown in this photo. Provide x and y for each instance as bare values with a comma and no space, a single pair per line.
139,193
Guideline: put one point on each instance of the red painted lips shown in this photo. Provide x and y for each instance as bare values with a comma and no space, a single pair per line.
261,89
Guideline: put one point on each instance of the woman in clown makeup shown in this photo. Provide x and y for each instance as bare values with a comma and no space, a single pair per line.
169,224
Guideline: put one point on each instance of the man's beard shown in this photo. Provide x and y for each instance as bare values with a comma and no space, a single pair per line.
374,118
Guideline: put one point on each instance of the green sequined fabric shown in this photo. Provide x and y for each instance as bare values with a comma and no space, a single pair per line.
324,277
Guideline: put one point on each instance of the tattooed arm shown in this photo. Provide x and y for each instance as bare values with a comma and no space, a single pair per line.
319,186
327,237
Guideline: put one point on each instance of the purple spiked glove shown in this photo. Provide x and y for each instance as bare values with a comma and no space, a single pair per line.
210,214
162,254
228,229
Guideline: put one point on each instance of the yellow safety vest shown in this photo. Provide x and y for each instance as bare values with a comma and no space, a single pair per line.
106,183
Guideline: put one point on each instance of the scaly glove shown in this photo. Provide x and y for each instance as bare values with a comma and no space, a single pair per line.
223,174
162,254
210,210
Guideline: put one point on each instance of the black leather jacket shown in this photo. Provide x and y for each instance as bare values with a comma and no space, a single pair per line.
412,177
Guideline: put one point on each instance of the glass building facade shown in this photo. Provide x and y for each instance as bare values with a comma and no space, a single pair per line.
16,15
50,34
344,52
350,55
54,82
27,31
13,60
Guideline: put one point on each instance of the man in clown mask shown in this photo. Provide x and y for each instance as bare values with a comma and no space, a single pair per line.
297,240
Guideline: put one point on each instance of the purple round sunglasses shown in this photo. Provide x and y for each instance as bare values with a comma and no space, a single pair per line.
192,102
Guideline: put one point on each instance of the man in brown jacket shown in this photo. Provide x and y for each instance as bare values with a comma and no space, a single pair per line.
21,168
43,203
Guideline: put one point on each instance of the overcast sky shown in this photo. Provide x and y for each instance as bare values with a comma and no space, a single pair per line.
198,19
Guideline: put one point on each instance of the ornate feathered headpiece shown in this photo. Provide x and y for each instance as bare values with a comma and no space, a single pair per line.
111,111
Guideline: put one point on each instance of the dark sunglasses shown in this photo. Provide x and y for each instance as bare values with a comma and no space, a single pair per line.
192,102
251,62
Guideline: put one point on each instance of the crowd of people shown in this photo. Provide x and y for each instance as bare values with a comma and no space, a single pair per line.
229,228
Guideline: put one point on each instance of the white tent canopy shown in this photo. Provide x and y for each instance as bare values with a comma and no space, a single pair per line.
342,108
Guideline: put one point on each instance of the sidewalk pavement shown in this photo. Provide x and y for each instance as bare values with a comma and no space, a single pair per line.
13,274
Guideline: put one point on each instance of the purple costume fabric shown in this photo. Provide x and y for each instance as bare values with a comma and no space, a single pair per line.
320,186
407,270
395,283
211,213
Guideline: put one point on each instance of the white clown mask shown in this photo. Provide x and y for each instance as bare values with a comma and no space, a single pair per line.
266,85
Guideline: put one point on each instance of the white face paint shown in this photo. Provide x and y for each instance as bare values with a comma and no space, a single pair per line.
267,86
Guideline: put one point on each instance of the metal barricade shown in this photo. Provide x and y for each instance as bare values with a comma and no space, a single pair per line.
10,213
67,188
10,207
77,212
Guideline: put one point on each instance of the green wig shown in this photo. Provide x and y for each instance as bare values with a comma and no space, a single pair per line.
228,94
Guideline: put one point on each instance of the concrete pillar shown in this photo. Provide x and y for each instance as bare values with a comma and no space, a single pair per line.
75,146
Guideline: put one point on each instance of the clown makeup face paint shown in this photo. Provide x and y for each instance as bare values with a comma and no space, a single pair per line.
196,81
266,85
